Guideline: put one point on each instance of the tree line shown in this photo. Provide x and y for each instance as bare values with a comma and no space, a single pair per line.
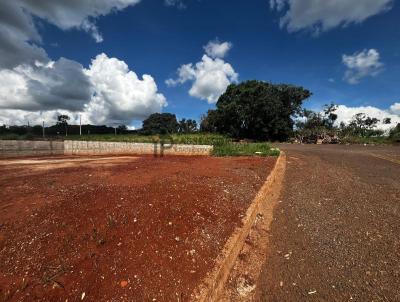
252,110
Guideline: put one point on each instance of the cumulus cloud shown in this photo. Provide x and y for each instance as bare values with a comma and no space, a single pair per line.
120,95
395,108
35,88
215,49
17,30
362,64
317,15
345,114
105,93
19,38
67,14
55,85
211,76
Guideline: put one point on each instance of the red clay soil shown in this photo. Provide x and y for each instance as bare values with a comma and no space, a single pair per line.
121,228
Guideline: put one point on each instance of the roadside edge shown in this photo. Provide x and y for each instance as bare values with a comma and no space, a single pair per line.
213,285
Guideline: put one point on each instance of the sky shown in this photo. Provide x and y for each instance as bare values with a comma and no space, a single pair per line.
118,61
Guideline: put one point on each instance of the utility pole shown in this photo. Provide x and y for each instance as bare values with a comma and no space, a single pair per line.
43,129
80,125
115,128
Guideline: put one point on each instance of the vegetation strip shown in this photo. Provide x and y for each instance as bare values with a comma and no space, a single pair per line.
213,286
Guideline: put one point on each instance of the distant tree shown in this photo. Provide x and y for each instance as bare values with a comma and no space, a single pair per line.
363,125
387,121
122,129
317,125
208,121
3,129
160,123
37,130
187,126
257,110
330,116
394,134
19,130
62,120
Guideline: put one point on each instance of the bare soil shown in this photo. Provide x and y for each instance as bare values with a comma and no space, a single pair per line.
118,228
336,232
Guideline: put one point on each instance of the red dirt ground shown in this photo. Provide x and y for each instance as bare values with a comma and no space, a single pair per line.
119,228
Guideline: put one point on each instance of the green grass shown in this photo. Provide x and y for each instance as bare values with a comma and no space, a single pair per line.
245,149
186,139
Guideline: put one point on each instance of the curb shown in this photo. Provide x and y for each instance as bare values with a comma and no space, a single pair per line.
213,285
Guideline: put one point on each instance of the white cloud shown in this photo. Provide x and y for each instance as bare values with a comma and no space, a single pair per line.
120,95
177,3
215,49
105,93
323,15
345,114
395,108
211,76
23,117
35,88
362,64
19,37
55,85
16,30
67,14
277,4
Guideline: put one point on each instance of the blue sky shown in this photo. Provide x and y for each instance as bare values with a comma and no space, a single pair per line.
156,38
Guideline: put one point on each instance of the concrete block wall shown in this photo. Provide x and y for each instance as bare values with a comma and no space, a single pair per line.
17,148
96,148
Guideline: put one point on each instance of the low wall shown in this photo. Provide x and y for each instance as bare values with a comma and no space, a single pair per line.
94,148
17,148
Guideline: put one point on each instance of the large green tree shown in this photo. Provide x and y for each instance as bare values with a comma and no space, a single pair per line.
257,110
160,123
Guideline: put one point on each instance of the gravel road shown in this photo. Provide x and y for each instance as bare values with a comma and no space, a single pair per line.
336,231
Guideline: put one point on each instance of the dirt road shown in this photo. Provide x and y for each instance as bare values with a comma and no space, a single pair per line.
336,231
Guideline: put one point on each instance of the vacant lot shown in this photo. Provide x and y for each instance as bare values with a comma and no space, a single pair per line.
118,228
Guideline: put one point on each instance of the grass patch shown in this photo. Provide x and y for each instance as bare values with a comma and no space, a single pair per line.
185,139
245,149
